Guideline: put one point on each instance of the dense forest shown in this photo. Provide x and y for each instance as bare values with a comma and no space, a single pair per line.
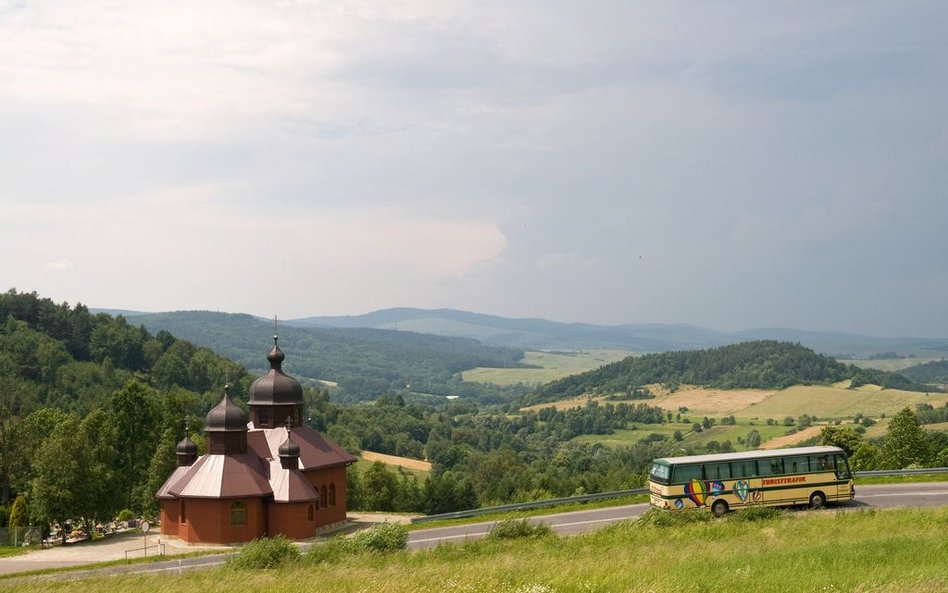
365,363
935,372
87,400
760,364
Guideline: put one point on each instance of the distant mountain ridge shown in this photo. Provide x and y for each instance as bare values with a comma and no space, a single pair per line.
543,334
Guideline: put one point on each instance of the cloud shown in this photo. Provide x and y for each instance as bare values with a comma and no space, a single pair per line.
514,158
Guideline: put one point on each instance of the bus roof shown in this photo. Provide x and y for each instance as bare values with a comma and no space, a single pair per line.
748,455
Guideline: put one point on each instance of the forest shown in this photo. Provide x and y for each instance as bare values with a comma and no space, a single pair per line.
364,363
762,364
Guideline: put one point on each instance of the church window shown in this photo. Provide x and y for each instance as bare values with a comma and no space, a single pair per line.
332,495
310,513
322,496
238,513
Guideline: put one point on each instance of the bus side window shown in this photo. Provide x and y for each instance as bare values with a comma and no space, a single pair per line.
686,473
820,463
718,471
797,465
770,467
743,469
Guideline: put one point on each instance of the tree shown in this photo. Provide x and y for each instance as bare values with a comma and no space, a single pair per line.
60,464
162,465
74,472
19,518
135,416
753,439
844,437
905,442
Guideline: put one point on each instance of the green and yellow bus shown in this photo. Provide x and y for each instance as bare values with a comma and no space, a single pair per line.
802,475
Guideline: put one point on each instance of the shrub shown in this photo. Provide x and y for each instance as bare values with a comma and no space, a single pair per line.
385,537
757,513
264,553
662,518
125,515
517,528
331,551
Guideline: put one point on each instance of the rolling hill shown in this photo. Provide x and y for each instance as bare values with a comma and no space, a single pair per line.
757,364
363,362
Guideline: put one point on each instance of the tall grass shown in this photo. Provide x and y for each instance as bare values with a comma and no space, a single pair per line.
866,552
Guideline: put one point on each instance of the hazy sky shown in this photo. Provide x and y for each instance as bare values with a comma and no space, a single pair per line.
728,164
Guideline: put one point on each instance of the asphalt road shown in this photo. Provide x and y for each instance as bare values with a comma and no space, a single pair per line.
881,497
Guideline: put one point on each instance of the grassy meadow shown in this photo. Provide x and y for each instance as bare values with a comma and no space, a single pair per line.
879,552
553,366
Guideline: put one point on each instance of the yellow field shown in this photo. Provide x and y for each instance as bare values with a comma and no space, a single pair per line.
792,439
554,365
838,402
406,462
821,401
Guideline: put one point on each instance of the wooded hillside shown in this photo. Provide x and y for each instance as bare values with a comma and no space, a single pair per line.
761,364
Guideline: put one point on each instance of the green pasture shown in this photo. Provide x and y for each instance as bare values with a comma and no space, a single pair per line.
879,552
718,432
553,366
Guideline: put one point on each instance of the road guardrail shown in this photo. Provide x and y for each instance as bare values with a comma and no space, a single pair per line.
537,504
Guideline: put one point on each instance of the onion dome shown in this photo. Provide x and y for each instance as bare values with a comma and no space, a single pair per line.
187,447
276,387
226,416
289,452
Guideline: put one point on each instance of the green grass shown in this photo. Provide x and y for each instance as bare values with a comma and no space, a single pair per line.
879,552
550,510
913,479
718,432
552,365
8,551
106,564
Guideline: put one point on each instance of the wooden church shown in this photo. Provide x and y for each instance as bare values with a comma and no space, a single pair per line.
262,475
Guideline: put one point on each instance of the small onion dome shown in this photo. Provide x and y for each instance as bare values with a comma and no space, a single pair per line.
226,416
187,447
289,453
276,387
288,448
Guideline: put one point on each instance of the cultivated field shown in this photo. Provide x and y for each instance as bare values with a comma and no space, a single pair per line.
554,365
890,364
412,467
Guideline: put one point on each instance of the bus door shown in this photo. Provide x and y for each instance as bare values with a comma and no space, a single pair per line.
844,491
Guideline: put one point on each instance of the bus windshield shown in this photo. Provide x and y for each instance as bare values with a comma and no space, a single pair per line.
660,472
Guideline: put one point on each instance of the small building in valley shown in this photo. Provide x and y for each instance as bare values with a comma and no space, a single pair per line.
263,473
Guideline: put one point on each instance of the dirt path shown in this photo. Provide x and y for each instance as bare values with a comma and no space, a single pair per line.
415,464
791,439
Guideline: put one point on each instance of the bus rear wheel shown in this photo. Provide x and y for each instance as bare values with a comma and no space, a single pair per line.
817,500
719,508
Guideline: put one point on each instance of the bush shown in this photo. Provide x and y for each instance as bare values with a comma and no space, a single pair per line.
264,553
332,551
385,537
663,518
125,515
517,528
757,513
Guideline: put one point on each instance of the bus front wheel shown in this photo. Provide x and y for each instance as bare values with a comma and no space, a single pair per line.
719,508
817,500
